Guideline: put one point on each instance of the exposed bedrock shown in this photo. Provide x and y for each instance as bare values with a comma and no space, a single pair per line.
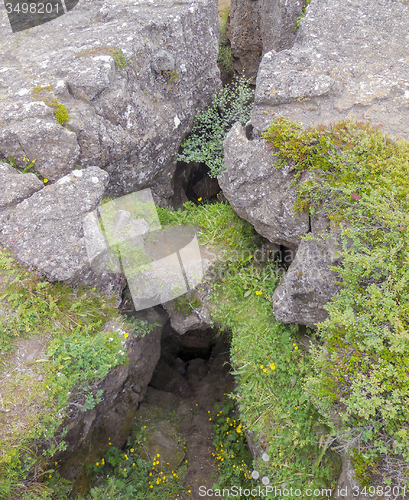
47,229
258,26
131,76
349,61
309,282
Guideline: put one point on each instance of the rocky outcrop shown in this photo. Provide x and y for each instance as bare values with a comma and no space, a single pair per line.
260,193
309,282
348,62
46,230
123,388
130,77
258,26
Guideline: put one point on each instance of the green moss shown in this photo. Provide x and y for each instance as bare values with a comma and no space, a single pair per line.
60,113
119,59
37,89
224,59
359,178
297,23
186,304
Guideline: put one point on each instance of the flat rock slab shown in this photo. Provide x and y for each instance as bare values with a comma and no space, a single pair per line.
131,76
349,61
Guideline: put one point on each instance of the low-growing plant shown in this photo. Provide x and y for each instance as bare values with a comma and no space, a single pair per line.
233,458
127,475
204,144
359,178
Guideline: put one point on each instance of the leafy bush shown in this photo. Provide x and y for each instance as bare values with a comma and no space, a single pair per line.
231,104
359,178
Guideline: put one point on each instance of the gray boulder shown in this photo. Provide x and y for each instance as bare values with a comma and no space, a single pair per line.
46,230
309,282
260,193
256,27
16,186
348,62
131,77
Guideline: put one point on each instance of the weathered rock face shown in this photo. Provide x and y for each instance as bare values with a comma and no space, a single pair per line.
46,230
123,388
309,283
258,26
348,62
16,186
260,193
128,110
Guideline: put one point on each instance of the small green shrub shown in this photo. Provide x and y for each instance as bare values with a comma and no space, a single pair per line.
359,178
231,104
119,59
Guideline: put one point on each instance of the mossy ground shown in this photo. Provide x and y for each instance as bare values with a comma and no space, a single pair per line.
52,343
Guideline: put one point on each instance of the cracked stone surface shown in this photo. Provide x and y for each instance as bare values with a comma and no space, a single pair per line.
46,230
260,193
349,61
128,110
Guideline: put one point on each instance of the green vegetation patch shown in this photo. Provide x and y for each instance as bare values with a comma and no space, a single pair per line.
64,329
359,178
271,367
232,455
204,144
270,363
224,59
132,475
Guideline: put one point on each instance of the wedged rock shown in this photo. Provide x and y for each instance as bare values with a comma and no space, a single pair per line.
131,76
16,186
309,283
348,62
256,27
185,315
260,193
46,230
